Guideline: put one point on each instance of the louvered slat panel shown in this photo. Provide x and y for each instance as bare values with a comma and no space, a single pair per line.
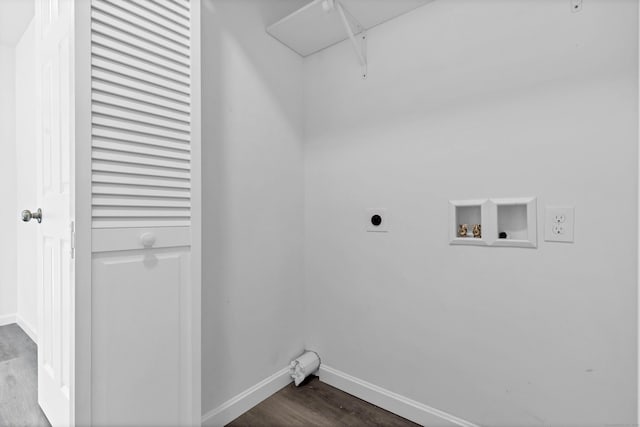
137,159
133,148
140,202
107,24
146,74
137,17
175,8
139,212
147,181
159,9
129,190
125,93
147,129
106,38
130,136
182,3
141,113
135,116
109,77
139,27
125,222
155,20
122,102
107,49
147,171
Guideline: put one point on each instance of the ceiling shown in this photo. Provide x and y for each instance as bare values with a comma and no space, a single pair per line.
15,16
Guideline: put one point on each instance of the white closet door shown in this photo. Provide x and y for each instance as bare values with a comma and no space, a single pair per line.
142,111
54,23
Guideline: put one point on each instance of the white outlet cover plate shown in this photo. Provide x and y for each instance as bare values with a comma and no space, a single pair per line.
383,227
559,224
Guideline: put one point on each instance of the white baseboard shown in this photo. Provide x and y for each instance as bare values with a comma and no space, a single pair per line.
238,405
7,319
27,328
385,399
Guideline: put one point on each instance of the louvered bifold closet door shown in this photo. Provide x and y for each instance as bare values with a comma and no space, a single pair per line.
141,113
143,92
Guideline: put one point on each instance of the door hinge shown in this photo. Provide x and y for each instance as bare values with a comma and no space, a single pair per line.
73,239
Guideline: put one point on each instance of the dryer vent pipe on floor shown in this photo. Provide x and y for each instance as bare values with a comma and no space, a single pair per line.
303,366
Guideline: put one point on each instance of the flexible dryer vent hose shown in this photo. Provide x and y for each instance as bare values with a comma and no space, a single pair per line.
303,366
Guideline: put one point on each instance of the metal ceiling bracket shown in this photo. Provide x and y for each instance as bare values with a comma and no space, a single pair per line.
357,35
363,44
576,6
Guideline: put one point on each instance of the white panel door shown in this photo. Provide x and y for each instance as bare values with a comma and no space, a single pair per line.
140,341
54,185
144,286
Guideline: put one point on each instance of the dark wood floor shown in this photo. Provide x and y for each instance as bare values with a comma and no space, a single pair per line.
19,379
317,404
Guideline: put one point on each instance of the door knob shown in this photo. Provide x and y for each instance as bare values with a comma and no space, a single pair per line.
27,215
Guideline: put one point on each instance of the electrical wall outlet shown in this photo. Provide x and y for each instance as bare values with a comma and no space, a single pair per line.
559,224
377,220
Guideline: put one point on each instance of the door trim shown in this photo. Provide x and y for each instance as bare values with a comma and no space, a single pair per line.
196,215
81,399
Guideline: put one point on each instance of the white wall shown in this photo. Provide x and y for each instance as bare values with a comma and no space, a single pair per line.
253,198
469,99
8,207
26,179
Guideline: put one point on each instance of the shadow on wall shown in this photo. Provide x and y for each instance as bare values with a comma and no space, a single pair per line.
253,197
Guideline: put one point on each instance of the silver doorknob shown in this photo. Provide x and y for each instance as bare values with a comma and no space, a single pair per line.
27,215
